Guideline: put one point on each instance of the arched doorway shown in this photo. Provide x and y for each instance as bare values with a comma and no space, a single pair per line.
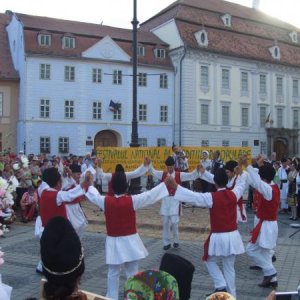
106,138
281,149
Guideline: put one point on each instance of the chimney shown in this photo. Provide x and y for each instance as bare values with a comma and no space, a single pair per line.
255,4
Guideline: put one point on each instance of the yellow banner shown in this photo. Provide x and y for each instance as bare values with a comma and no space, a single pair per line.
131,158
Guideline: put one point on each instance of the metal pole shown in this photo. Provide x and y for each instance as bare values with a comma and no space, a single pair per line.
134,132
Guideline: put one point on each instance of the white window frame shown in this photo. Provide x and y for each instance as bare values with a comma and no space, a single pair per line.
44,39
142,79
204,115
140,51
117,77
245,116
295,88
262,116
117,114
204,143
204,76
44,108
68,42
225,143
143,112
163,81
295,118
279,86
45,71
244,83
45,144
160,53
245,143
63,144
225,81
279,117
161,142
163,114
69,73
69,109
225,119
97,110
97,75
143,142
262,84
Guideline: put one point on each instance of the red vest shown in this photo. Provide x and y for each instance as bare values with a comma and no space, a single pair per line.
120,216
49,208
267,210
177,179
223,212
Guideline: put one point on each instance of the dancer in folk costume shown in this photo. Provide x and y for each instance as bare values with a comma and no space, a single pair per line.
124,246
170,207
224,240
264,235
284,185
107,177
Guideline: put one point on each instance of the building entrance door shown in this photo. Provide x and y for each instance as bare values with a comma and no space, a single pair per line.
281,149
105,138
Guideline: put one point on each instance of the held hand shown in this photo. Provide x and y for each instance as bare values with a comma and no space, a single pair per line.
171,183
147,161
243,160
200,168
260,160
88,180
238,170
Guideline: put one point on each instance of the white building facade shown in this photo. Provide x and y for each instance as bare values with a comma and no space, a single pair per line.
76,86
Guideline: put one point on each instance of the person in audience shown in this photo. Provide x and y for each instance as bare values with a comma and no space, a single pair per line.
28,204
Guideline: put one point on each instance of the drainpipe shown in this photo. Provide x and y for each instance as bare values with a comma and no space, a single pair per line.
180,93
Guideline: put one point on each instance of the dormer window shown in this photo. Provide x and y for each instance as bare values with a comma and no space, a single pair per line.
275,52
44,39
160,53
294,36
226,20
140,51
68,42
202,38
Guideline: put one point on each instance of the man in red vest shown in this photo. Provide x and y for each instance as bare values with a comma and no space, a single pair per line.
123,246
224,240
170,209
264,235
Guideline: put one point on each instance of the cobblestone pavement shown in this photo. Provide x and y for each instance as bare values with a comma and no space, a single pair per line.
22,253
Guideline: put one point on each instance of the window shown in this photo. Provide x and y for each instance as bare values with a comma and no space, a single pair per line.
44,71
204,76
142,142
225,115
245,144
245,116
44,40
69,73
63,145
163,81
44,144
204,114
225,79
69,109
140,51
117,77
45,108
295,88
295,118
142,79
118,113
97,75
294,36
263,84
205,143
225,143
263,147
68,42
275,52
226,20
143,112
244,82
202,38
97,110
1,104
163,113
279,112
161,142
279,86
262,116
160,53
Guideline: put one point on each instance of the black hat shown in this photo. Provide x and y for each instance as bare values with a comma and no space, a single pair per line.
51,176
230,165
267,172
75,168
119,183
220,177
61,253
170,161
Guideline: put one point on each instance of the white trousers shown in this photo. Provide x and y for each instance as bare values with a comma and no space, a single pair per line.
261,257
225,279
166,229
113,277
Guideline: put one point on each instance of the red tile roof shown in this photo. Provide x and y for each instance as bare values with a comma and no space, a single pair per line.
250,36
7,70
86,35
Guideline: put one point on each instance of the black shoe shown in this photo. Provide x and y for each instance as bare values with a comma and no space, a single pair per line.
255,268
175,245
274,258
269,281
167,247
216,291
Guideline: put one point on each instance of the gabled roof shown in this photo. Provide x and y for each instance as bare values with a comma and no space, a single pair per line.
7,70
86,34
250,35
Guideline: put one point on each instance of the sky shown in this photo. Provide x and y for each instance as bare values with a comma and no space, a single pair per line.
119,13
